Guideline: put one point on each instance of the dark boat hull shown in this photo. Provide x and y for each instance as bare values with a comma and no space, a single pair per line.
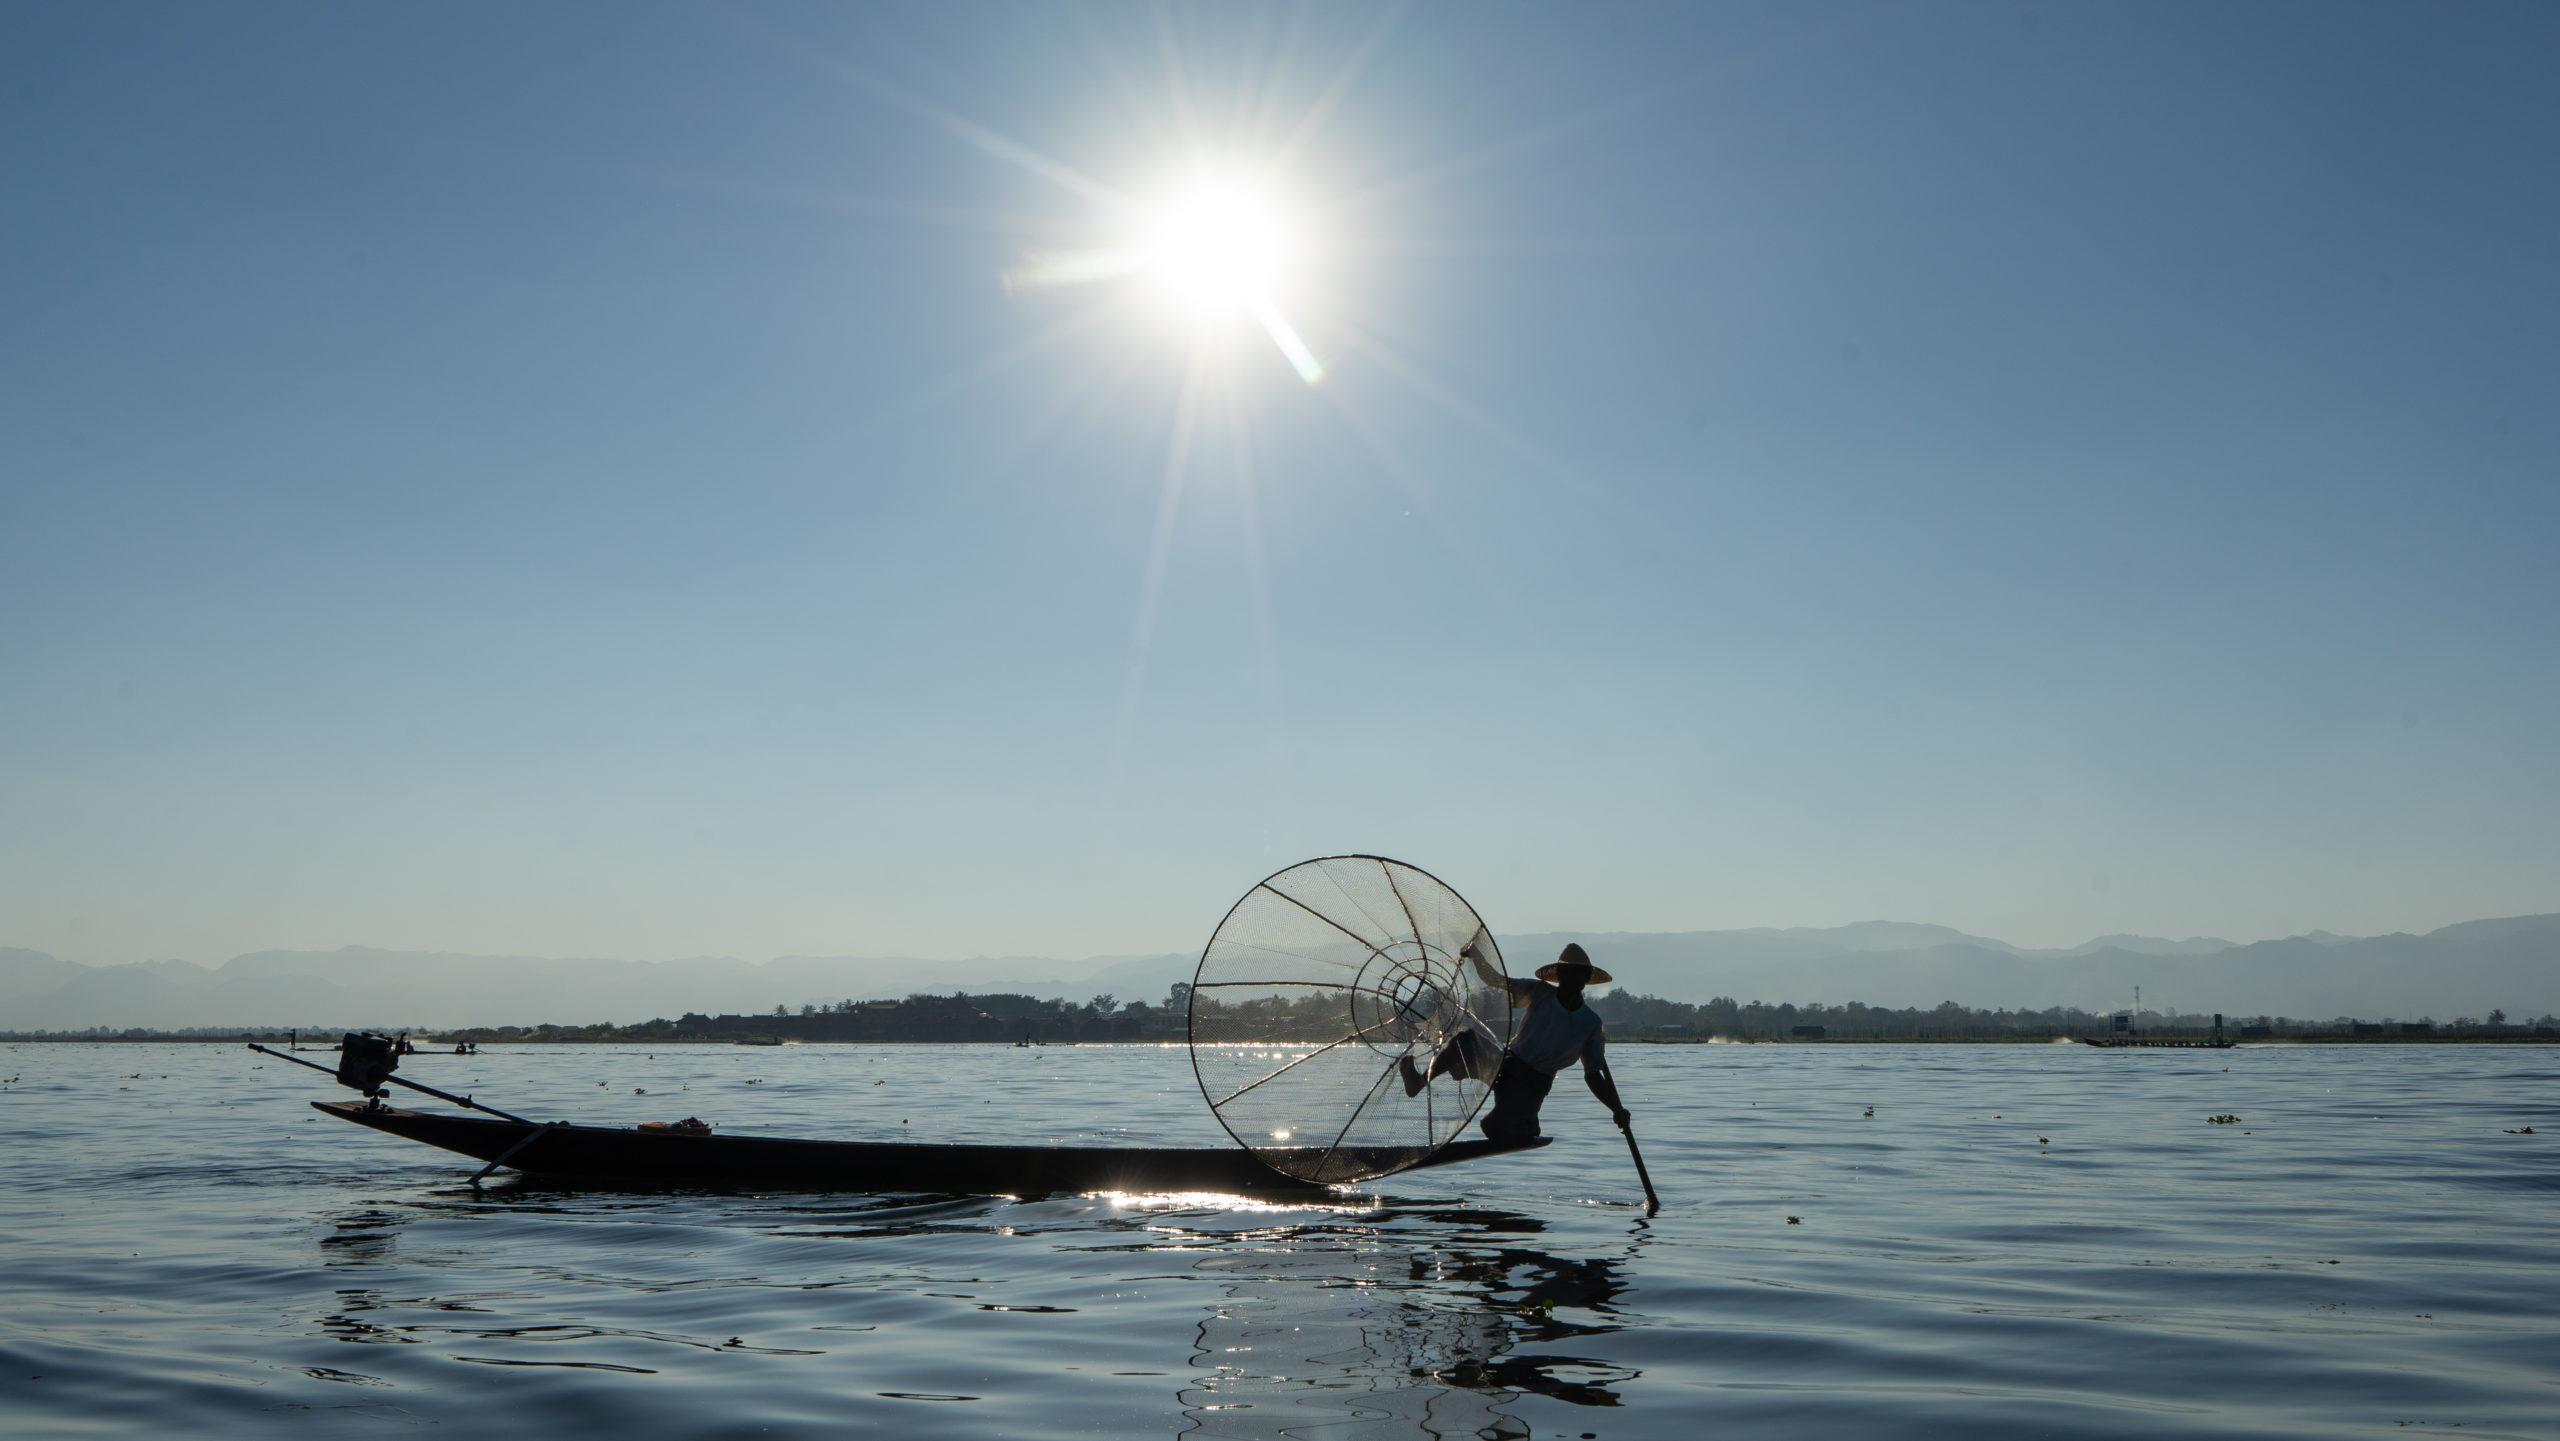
661,1158
2110,1043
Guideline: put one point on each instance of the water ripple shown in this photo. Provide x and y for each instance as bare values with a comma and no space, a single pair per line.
2018,1241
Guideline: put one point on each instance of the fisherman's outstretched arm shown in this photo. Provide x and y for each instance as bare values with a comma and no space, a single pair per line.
1492,973
1595,1074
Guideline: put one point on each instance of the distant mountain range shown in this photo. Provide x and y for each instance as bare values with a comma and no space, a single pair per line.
2467,969
362,985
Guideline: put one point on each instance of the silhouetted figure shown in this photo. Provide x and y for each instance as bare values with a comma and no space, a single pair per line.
1556,1030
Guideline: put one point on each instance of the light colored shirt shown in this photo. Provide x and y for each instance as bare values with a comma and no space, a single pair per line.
1550,1037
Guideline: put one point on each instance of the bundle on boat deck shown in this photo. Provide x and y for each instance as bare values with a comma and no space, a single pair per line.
675,1156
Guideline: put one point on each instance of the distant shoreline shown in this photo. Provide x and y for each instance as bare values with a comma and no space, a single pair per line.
440,1049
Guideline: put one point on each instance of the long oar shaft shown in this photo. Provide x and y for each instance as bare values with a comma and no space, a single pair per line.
465,1102
1652,1202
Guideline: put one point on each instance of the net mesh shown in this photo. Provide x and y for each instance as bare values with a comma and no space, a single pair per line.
1317,986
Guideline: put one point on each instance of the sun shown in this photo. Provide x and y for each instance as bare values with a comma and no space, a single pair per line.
1219,250
1216,248
1217,253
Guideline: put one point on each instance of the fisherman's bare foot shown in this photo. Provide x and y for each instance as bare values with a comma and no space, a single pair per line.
1413,1077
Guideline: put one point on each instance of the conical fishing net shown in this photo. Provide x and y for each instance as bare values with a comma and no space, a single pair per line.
1316,988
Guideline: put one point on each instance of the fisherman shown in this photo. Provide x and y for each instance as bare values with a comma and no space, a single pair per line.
1558,1030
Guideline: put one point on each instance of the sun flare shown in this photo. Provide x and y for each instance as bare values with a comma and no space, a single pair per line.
1216,248
1215,253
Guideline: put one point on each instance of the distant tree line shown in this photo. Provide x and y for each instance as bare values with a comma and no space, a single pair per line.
1641,1016
1003,1016
1319,1016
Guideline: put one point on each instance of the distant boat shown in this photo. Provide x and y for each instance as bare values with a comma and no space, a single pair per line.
2124,1036
759,1040
408,1046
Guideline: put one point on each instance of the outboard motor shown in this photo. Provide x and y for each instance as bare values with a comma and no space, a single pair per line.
365,1060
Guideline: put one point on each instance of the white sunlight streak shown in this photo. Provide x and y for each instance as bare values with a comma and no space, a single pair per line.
1286,336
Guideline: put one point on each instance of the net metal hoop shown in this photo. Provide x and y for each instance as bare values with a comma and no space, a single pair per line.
1317,989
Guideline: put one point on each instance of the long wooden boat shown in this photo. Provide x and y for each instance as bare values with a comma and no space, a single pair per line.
2120,1043
675,1158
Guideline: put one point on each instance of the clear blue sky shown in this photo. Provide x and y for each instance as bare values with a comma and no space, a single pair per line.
575,479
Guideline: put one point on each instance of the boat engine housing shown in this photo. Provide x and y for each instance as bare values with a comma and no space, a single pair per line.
366,1059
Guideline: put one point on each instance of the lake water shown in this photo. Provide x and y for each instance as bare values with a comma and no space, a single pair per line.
2020,1241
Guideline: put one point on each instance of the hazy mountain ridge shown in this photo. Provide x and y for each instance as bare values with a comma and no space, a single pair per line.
25,974
2152,946
369,985
2465,969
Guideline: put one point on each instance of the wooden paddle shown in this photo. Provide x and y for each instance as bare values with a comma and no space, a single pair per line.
1652,1202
